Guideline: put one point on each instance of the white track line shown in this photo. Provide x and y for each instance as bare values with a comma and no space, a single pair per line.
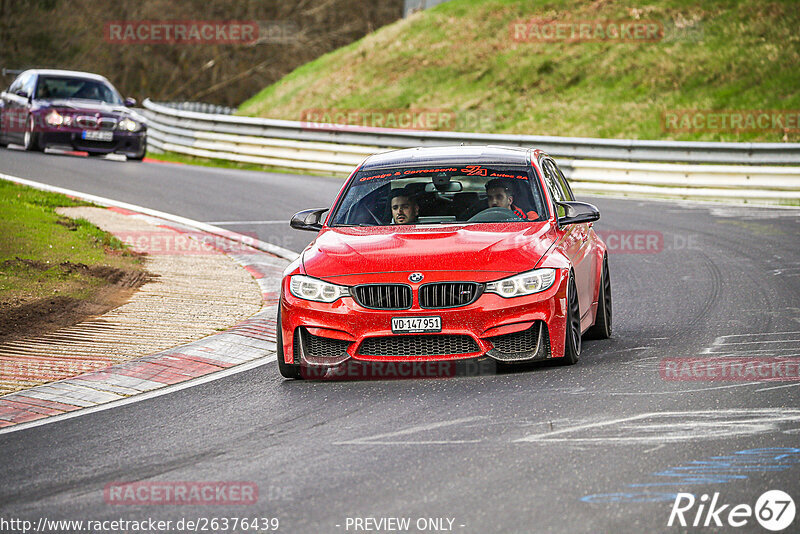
205,227
376,439
247,222
142,396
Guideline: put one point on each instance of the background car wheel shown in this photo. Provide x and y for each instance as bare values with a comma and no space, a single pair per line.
602,323
138,157
572,344
30,139
288,370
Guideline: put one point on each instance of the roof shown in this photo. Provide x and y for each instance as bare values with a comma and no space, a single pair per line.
58,72
449,155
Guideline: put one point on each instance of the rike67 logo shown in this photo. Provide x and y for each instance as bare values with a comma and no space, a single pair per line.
774,510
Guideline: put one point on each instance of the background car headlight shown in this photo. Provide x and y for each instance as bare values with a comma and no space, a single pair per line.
523,284
129,125
307,288
54,118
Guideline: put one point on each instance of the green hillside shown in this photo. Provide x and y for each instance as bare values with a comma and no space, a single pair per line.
462,58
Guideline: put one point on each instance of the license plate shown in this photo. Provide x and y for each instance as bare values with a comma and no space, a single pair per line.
97,135
402,325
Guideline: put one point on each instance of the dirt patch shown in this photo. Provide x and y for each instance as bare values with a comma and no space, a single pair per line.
69,224
112,275
24,318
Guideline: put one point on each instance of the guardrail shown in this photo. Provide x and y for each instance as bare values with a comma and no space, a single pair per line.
715,170
200,107
762,185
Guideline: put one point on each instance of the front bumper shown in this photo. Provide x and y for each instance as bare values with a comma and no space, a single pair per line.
519,329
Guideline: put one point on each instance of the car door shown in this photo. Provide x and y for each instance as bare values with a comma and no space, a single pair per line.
589,238
15,109
575,243
7,110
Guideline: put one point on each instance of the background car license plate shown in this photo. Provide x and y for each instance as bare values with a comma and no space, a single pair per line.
416,324
97,135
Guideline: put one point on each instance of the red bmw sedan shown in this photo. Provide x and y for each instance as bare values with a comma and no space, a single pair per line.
446,254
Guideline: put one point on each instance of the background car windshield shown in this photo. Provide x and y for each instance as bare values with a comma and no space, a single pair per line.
441,195
61,87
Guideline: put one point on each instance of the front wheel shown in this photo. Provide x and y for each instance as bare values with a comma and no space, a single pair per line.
572,343
30,139
602,323
138,157
287,370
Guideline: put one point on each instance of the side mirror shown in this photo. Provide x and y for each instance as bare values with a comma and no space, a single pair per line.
308,219
23,94
129,102
577,212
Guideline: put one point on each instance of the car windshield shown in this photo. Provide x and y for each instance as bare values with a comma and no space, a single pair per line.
441,195
63,87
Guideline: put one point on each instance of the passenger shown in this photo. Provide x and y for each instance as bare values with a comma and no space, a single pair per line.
500,195
405,209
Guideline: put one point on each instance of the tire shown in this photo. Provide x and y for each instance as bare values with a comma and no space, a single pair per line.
572,341
96,154
287,370
31,139
3,142
602,323
138,157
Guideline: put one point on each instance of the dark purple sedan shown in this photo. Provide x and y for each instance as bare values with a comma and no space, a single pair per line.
74,110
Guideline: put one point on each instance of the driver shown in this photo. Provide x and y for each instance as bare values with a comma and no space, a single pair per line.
500,195
405,209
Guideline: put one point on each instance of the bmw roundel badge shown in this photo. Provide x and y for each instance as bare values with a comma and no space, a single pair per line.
415,277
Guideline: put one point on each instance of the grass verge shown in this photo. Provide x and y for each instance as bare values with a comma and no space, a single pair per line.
174,157
50,262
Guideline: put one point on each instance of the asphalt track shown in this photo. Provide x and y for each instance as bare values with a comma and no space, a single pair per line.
598,447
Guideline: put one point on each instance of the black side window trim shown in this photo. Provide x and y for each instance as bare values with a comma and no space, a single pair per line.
563,182
551,182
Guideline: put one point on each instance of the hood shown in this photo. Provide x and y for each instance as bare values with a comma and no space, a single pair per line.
491,248
87,106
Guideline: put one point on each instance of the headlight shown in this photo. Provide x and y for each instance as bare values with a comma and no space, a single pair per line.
307,288
128,125
54,118
523,284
